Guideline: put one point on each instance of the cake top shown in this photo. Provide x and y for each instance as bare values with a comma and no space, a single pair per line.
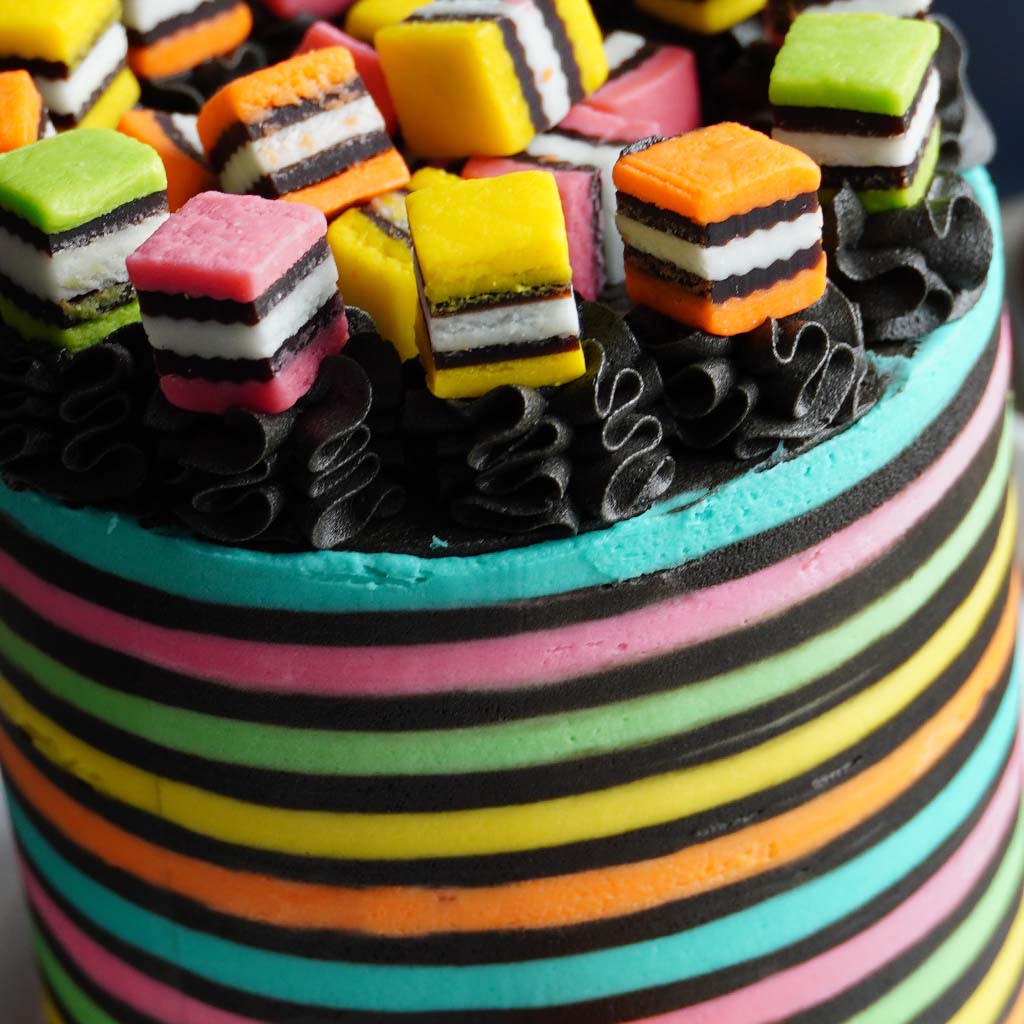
715,173
872,63
489,236
226,247
66,181
287,84
53,30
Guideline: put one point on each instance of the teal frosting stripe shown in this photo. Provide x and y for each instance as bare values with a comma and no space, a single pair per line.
718,945
688,528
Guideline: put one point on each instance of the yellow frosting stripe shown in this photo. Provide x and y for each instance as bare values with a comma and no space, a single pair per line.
50,1012
587,45
990,998
521,827
122,94
535,372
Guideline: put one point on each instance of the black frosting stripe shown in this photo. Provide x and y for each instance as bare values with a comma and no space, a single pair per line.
123,216
721,232
179,306
642,844
870,178
206,10
448,792
503,353
411,627
627,1007
221,369
737,287
166,124
455,710
501,947
58,313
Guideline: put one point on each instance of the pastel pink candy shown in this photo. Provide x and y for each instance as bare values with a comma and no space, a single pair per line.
605,126
322,34
288,385
580,192
225,247
318,8
663,89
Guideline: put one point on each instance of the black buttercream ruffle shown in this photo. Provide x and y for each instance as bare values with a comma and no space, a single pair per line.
911,270
70,425
787,384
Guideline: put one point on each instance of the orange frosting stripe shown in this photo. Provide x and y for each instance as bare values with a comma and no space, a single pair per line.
185,177
735,316
1016,1015
248,99
715,173
193,45
546,902
22,108
372,177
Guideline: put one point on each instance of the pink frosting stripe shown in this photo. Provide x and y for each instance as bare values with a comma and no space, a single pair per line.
537,658
826,976
137,990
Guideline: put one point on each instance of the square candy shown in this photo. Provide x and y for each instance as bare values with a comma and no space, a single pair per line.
869,63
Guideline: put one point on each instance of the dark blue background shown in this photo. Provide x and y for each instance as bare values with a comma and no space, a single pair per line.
995,33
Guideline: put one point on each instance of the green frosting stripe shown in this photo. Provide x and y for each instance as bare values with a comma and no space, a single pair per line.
69,994
543,740
76,338
877,200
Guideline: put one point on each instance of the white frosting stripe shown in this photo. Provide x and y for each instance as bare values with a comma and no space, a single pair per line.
297,142
69,97
77,270
620,48
898,8
146,15
514,323
209,339
844,150
736,258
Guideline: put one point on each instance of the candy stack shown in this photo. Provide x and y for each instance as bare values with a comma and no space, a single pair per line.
76,51
25,117
859,93
170,37
305,130
492,261
722,228
240,302
72,208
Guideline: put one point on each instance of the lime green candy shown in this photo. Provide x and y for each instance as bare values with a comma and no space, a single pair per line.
868,63
74,339
68,180
875,201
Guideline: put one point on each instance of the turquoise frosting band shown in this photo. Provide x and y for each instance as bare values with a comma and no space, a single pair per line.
674,533
720,944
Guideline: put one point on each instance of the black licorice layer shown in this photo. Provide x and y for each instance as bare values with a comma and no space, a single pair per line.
414,627
502,353
123,216
206,10
70,312
863,179
227,311
720,233
166,123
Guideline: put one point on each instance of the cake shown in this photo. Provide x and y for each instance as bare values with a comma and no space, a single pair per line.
675,687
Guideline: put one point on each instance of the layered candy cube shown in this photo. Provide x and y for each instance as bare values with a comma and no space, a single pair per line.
176,139
780,14
650,81
240,302
722,228
305,130
72,208
492,261
482,79
859,93
707,17
25,117
580,190
76,51
170,37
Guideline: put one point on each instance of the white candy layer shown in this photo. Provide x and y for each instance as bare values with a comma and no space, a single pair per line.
146,15
831,150
210,340
897,8
187,126
69,96
299,142
736,258
534,36
510,324
620,47
588,153
77,270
